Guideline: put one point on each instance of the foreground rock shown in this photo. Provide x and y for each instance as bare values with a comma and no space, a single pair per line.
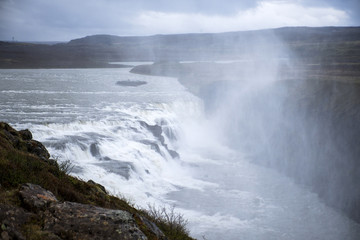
22,140
81,221
66,220
35,197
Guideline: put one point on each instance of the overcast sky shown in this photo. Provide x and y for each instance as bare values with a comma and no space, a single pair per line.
63,20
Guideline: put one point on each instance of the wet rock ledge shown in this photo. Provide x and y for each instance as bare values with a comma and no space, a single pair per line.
38,200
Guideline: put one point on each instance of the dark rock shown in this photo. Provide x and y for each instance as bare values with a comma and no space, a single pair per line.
25,134
94,150
170,133
97,187
8,129
129,83
11,221
53,162
22,141
69,220
152,227
10,134
38,149
114,166
152,144
173,154
5,236
154,129
79,221
157,131
35,197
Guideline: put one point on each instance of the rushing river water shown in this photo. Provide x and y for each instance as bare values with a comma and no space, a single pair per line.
153,144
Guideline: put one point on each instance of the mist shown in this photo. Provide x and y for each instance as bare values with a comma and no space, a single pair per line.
278,108
281,117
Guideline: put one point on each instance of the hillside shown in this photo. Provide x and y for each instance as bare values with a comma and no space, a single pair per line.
311,45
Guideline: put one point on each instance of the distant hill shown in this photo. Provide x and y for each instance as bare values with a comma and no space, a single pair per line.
323,44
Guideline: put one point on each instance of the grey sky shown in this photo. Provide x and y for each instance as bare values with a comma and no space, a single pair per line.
63,20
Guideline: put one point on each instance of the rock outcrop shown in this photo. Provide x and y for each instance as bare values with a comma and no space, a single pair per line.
157,131
22,140
66,220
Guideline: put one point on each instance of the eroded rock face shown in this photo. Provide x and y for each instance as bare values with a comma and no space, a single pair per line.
69,220
157,131
153,228
35,197
38,149
11,220
25,134
80,221
22,140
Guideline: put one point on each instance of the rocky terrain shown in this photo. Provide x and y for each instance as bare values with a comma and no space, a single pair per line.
39,200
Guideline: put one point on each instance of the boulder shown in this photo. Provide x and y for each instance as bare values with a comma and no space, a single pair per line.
97,188
71,220
35,197
22,140
25,134
11,221
152,227
38,149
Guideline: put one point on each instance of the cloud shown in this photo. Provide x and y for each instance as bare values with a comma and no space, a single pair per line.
67,19
266,14
62,20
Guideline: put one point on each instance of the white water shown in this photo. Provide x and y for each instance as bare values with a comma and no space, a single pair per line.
81,115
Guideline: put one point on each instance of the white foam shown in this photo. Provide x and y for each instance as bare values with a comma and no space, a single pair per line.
121,139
